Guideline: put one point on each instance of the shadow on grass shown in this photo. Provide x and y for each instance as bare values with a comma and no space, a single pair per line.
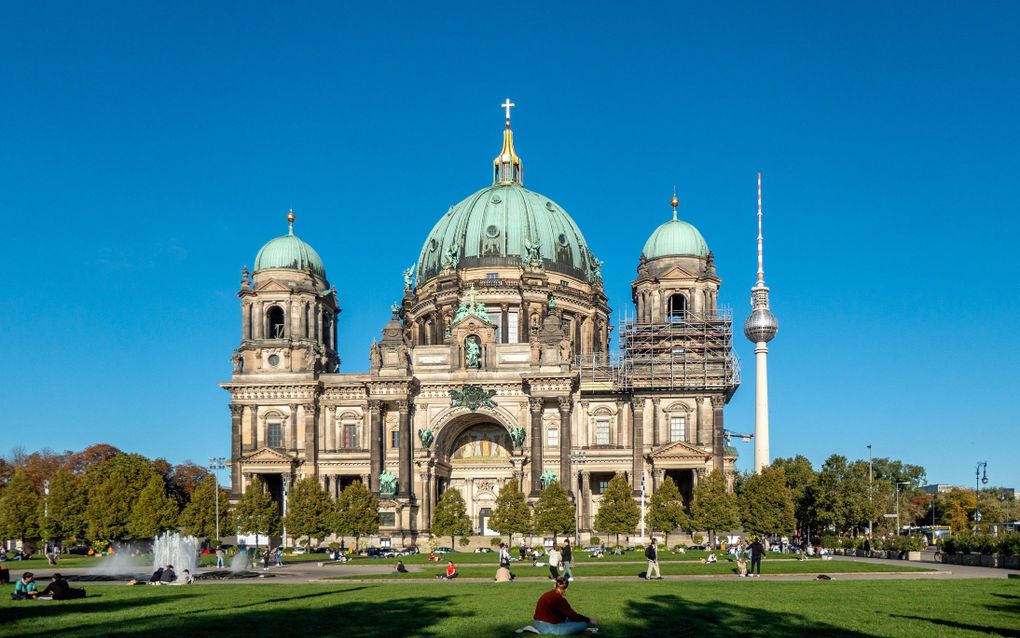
671,615
27,609
998,631
313,615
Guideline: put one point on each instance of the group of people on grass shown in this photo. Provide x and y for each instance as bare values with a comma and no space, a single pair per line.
57,589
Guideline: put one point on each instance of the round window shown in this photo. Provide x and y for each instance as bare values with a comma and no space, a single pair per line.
562,239
496,198
550,206
433,244
274,359
492,231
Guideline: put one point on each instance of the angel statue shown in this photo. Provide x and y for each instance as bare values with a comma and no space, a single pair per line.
533,253
408,277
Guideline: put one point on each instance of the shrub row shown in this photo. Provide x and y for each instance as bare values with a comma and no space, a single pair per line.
1007,544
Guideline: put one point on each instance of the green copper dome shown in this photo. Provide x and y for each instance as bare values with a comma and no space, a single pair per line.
507,225
290,253
675,238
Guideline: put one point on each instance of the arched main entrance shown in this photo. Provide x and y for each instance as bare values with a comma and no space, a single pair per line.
476,455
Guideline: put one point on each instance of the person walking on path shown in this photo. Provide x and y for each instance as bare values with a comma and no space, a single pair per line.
757,550
652,554
554,615
219,558
567,558
554,563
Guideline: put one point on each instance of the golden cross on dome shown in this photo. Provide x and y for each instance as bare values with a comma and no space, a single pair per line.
508,105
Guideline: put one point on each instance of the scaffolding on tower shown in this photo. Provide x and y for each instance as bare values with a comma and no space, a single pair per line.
690,352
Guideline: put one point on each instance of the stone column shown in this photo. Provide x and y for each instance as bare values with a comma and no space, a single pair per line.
618,435
404,474
655,422
585,500
504,325
246,321
698,422
253,427
236,411
637,444
292,423
330,427
717,432
426,499
536,404
375,444
311,438
566,405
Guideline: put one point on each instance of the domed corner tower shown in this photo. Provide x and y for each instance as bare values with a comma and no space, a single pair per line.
288,312
678,351
521,254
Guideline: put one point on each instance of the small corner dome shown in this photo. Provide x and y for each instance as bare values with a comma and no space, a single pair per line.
289,252
675,238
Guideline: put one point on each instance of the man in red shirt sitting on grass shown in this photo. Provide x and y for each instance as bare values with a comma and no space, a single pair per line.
554,616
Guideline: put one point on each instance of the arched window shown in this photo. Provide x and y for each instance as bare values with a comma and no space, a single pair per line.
677,307
276,323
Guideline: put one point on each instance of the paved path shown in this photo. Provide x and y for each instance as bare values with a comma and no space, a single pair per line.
305,572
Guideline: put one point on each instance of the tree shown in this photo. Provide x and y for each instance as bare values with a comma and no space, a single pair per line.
618,513
19,508
108,511
844,499
199,515
714,508
185,479
42,465
800,476
257,513
553,511
308,511
766,505
511,514
666,510
450,518
958,506
81,462
62,513
154,511
356,513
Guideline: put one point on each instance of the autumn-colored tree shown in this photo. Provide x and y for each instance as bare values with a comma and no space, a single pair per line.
958,506
80,462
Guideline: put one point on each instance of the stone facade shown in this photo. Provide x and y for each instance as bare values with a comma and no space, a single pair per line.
489,371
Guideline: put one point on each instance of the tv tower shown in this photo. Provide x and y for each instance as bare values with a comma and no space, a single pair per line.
760,328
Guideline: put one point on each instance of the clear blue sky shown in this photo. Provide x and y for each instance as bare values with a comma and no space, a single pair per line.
147,151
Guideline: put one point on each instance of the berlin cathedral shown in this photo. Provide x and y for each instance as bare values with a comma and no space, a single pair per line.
496,366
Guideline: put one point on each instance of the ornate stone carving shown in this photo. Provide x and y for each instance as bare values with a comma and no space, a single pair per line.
236,410
472,397
565,404
451,256
536,403
517,436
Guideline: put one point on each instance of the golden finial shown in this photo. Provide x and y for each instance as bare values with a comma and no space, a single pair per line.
674,203
290,220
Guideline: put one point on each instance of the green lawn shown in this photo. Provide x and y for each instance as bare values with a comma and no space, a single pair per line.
633,569
722,609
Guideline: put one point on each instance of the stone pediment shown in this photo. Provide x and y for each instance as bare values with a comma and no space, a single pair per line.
676,272
268,456
680,451
272,286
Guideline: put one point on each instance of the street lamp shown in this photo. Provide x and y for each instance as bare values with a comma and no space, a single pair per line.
217,463
898,483
871,490
46,513
580,458
980,476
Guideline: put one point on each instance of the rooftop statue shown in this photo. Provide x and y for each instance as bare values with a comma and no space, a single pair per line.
471,308
532,253
548,478
408,277
451,256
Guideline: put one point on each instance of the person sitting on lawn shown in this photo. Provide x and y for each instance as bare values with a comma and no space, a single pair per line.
156,576
399,568
554,615
25,588
712,558
451,571
59,589
168,576
742,565
432,556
